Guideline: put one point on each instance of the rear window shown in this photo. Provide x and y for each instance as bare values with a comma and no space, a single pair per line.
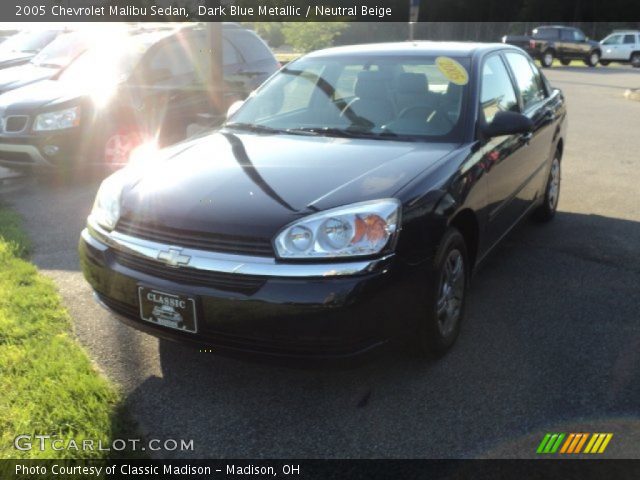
251,47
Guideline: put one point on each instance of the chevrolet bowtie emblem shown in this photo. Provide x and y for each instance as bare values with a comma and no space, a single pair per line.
173,257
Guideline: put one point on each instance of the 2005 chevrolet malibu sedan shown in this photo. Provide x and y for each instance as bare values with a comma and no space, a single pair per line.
345,203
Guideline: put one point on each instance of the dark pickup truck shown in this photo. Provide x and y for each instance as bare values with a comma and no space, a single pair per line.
564,43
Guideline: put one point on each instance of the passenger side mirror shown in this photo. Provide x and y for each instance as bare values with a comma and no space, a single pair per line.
507,123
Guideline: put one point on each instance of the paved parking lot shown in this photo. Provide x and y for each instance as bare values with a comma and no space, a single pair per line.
551,341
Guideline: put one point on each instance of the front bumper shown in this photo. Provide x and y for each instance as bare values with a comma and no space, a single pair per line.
30,150
257,304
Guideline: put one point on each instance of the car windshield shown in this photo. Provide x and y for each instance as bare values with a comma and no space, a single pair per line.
28,41
61,51
111,64
417,97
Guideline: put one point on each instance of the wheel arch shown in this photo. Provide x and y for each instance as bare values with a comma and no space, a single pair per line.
466,222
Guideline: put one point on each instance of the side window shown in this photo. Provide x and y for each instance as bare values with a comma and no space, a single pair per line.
229,53
528,81
171,66
566,35
497,93
578,36
252,48
629,39
613,40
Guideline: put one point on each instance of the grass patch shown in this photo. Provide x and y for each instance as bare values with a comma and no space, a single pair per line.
49,386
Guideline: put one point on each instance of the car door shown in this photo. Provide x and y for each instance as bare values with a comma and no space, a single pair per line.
611,47
581,47
565,46
505,158
535,103
628,46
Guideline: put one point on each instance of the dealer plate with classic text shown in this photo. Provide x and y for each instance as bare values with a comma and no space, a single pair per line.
168,309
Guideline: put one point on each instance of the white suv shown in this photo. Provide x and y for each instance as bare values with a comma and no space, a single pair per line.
621,46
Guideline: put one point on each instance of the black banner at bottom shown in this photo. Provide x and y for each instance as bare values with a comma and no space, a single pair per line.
579,469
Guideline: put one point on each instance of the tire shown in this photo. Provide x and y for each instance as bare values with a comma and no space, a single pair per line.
565,62
547,210
604,63
593,59
635,59
447,287
547,58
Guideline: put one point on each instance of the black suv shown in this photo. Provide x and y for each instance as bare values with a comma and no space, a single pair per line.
564,43
138,88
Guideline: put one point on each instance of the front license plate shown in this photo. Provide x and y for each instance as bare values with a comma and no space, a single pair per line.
168,309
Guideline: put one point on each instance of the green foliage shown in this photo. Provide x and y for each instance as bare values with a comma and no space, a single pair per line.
310,36
49,386
270,32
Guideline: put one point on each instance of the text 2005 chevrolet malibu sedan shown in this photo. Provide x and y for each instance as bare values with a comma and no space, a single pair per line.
346,203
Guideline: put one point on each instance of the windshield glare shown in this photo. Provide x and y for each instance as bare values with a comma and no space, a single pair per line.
28,41
61,51
387,96
105,64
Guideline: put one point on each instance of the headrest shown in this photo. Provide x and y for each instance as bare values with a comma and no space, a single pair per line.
370,85
412,83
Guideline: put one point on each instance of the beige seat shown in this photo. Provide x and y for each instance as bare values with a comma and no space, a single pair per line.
372,100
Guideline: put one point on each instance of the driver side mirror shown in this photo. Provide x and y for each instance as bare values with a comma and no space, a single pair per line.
507,123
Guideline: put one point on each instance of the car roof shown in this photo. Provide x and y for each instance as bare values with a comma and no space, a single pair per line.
454,49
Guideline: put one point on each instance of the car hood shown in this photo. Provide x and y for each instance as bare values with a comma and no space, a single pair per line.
37,95
254,184
16,77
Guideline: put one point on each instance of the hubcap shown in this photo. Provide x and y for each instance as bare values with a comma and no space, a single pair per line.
594,58
451,292
554,184
548,58
118,148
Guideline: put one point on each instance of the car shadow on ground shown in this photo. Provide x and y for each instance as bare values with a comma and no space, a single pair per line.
551,336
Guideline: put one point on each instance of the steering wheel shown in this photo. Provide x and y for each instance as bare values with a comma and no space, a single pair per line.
418,109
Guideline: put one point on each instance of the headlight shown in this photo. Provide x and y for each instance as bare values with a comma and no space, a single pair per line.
360,229
67,118
106,208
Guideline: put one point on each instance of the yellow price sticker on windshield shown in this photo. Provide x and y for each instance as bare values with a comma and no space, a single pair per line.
451,69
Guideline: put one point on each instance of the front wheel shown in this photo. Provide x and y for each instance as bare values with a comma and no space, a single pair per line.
446,295
547,210
547,59
119,145
593,59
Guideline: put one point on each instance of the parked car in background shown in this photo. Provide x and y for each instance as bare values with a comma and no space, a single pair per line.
49,62
623,47
564,43
346,203
133,89
23,46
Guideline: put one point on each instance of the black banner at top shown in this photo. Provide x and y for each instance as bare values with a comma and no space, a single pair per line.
320,10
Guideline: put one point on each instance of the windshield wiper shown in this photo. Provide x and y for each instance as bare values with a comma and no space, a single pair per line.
354,133
252,127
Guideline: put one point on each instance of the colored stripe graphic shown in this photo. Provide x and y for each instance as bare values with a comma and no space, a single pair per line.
573,443
550,443
598,443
